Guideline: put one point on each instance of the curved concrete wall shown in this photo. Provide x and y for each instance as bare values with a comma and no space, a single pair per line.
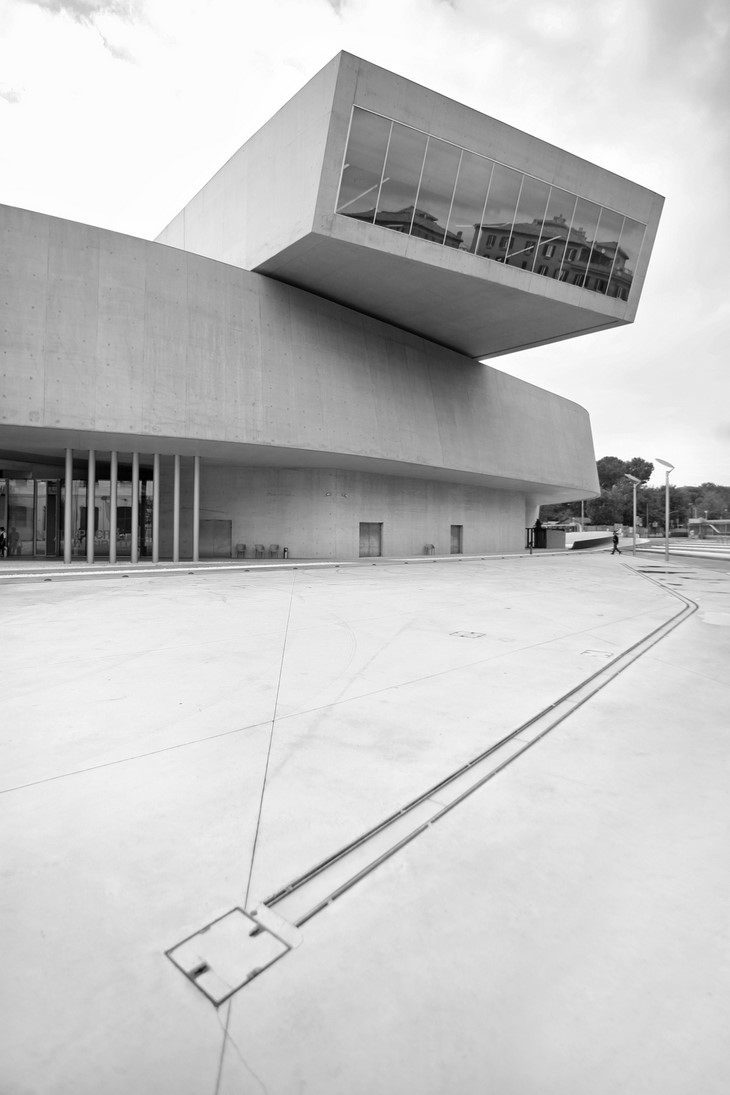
111,335
316,513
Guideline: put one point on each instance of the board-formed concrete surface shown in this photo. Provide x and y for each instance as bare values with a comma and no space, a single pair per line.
178,745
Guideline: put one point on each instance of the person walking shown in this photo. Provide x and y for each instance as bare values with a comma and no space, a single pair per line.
616,548
3,541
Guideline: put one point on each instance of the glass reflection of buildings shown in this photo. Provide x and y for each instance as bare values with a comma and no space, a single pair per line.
557,250
413,222
399,178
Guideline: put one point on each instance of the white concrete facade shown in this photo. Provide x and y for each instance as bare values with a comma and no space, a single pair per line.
307,416
316,513
262,213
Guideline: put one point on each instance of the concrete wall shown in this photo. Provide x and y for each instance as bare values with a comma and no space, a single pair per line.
283,181
316,513
272,208
377,89
109,335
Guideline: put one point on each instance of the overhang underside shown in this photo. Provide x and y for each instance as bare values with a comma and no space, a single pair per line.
477,313
29,451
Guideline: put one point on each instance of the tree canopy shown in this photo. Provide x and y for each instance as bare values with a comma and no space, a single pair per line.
611,470
616,501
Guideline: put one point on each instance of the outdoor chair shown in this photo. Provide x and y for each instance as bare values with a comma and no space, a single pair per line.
273,551
240,551
259,551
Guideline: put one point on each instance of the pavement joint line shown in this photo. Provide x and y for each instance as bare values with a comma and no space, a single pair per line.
137,756
335,703
271,735
543,723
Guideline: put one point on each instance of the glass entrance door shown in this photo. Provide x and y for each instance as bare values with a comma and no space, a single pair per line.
21,493
47,517
31,511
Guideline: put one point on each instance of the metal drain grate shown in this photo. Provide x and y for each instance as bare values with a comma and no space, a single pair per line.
229,952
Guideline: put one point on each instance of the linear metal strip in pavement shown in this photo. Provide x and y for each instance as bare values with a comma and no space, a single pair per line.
308,894
220,966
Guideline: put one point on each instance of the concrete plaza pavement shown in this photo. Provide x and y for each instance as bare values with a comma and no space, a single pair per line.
175,747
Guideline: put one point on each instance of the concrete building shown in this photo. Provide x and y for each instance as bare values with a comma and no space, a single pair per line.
298,360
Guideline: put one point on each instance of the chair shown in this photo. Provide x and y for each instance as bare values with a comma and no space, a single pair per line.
259,551
273,551
240,551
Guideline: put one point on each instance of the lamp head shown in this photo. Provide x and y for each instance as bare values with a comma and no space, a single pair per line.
631,477
665,463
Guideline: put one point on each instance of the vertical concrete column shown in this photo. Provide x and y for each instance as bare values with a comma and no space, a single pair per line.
176,511
135,508
196,509
156,508
90,499
113,471
68,505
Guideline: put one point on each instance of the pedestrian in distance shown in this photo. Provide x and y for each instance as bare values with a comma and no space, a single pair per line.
3,541
616,548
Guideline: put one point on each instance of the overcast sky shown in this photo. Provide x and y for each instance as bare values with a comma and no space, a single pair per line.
115,112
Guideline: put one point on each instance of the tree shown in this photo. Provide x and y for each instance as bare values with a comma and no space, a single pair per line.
642,469
712,501
561,512
605,509
616,502
652,506
610,469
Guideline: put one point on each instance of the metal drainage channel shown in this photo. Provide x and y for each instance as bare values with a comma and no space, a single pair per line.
232,950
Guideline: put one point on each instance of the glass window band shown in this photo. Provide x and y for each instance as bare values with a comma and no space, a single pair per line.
397,177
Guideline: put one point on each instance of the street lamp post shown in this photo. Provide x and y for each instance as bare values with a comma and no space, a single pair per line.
669,467
635,483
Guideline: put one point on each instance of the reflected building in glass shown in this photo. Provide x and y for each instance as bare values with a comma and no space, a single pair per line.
299,360
490,209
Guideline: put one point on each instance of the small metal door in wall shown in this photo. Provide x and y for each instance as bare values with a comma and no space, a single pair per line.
371,539
216,538
457,539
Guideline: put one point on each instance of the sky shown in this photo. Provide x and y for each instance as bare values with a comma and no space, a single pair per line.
115,112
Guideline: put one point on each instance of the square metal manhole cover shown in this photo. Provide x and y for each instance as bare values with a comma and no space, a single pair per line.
222,957
470,634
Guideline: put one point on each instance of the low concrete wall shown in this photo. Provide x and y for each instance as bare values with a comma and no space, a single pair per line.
578,540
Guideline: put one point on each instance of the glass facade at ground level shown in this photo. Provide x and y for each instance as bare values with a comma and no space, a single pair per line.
399,178
32,513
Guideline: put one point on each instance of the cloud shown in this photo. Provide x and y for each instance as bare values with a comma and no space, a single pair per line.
119,52
87,11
